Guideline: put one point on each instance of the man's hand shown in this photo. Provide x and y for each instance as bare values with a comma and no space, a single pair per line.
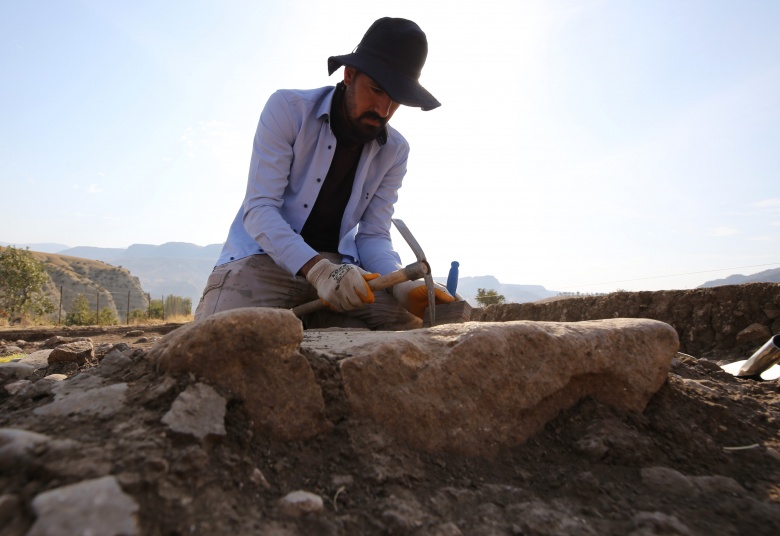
413,296
342,287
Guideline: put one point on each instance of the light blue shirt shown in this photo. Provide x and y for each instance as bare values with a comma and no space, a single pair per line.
291,155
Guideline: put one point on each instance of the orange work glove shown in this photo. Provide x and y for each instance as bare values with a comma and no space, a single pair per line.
413,296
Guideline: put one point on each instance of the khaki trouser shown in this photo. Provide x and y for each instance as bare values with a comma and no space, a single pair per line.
257,281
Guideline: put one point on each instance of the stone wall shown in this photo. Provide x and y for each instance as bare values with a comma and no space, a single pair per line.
717,322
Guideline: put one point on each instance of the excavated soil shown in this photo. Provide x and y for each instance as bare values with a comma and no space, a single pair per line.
703,458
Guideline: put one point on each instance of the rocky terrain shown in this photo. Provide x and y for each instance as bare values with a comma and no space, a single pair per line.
589,422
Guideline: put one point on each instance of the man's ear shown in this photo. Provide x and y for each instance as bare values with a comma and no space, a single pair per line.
349,75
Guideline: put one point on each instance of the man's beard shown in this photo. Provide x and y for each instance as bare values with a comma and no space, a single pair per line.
359,130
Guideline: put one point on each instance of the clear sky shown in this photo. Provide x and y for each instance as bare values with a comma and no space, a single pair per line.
583,145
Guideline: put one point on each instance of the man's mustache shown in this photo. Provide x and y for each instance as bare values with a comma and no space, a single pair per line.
373,116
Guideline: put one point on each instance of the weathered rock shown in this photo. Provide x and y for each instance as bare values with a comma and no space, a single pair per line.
475,388
667,480
17,386
673,482
9,506
17,446
85,394
652,523
15,370
537,517
771,314
253,354
114,362
198,411
754,333
97,506
298,503
39,359
57,340
9,350
73,352
55,377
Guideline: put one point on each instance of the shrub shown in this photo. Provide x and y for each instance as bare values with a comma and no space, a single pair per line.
79,315
22,278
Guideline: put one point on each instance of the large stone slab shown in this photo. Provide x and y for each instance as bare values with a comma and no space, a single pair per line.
475,388
253,354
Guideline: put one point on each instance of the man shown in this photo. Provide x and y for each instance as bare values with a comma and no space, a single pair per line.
324,175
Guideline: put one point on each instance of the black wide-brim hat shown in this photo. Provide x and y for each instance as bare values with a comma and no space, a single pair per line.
392,53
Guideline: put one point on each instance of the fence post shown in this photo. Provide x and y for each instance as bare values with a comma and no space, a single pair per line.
149,301
163,307
127,318
59,317
97,309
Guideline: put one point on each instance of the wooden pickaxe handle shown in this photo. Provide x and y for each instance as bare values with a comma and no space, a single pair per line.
413,271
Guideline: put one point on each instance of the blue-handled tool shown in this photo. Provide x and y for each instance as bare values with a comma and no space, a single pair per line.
452,278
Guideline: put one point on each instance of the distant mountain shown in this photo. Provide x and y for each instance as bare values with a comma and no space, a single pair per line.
43,248
173,268
767,276
468,287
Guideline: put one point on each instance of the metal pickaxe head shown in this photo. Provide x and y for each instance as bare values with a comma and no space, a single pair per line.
418,252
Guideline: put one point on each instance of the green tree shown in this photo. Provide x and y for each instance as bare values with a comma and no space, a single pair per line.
177,305
489,297
137,316
157,309
107,317
22,278
79,314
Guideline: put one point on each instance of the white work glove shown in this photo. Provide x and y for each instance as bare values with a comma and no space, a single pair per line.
413,296
342,287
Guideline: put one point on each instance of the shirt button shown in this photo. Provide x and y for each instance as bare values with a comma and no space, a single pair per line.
319,180
305,206
232,258
329,146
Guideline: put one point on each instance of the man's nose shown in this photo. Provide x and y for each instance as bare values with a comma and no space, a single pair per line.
383,105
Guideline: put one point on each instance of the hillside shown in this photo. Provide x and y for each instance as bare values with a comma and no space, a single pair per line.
767,276
102,284
174,268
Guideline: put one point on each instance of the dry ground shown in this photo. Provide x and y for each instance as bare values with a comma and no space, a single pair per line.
703,458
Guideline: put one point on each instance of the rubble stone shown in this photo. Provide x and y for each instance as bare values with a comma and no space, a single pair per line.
74,352
252,353
97,506
198,411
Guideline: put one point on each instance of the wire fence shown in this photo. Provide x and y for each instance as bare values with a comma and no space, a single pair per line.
124,313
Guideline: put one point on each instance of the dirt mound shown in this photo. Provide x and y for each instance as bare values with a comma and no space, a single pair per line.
703,458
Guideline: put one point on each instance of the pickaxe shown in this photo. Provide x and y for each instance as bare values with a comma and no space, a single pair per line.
411,272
